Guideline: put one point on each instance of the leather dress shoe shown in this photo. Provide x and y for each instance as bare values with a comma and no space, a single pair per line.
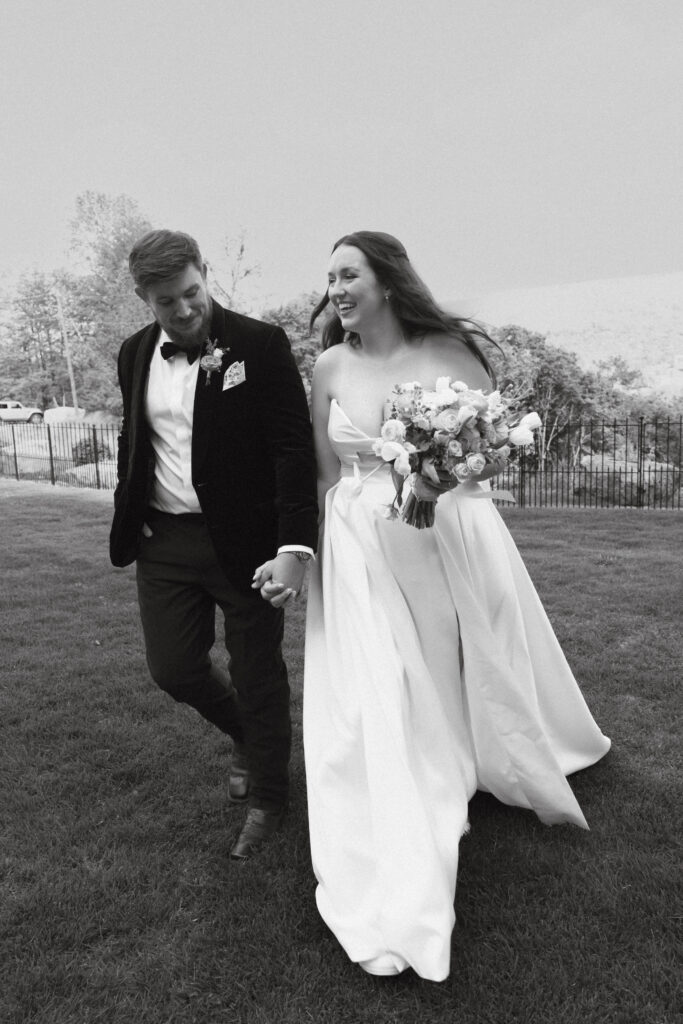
259,827
238,778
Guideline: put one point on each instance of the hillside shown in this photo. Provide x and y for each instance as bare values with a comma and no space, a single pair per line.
638,318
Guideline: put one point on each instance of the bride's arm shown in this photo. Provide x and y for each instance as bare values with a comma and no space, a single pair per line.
321,398
489,471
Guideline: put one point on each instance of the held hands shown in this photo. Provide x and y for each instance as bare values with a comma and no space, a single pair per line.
279,579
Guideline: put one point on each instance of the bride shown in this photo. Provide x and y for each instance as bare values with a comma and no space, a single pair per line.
431,669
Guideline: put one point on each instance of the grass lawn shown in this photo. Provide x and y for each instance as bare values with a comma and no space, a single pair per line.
118,902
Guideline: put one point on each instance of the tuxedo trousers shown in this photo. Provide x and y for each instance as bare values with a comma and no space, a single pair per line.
180,583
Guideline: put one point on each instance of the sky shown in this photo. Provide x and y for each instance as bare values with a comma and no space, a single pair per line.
507,143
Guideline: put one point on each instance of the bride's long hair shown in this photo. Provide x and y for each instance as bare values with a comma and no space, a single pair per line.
411,300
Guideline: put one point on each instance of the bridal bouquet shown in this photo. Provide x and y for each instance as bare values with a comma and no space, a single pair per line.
443,438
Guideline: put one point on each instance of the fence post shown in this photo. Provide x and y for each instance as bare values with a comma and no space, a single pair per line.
14,445
522,479
640,489
52,458
680,457
97,461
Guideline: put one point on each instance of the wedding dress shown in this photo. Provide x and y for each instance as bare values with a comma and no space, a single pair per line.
431,670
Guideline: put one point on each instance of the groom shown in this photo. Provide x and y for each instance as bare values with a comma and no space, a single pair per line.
216,474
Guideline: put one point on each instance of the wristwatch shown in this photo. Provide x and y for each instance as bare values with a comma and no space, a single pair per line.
303,556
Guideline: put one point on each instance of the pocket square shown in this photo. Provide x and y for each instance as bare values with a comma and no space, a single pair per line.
234,375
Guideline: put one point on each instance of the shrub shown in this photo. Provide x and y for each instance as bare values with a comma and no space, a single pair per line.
86,451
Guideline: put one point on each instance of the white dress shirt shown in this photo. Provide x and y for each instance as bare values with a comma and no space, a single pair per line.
169,408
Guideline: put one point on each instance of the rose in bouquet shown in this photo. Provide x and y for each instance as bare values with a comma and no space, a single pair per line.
443,438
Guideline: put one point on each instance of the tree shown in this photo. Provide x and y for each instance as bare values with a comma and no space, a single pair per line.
103,232
228,275
33,365
293,317
100,304
547,379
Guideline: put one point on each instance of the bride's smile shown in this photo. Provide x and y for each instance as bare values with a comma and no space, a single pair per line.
360,301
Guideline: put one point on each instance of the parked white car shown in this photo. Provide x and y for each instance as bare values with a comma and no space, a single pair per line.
15,412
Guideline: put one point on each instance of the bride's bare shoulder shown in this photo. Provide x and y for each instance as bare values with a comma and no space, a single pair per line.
331,360
328,367
332,355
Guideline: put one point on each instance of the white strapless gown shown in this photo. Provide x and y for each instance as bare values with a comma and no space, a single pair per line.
431,670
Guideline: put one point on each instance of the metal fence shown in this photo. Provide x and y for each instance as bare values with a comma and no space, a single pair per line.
71,454
585,463
601,464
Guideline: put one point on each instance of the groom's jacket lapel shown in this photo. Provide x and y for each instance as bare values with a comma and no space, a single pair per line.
135,456
207,395
143,357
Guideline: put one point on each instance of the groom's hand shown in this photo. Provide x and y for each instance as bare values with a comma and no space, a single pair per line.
279,579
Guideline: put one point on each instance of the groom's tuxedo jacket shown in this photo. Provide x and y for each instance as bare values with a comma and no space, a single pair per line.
253,467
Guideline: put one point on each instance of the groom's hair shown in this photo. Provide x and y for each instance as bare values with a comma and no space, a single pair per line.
159,255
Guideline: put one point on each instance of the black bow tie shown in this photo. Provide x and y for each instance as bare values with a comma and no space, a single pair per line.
169,349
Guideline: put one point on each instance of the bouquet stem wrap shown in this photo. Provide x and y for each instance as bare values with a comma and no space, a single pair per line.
419,508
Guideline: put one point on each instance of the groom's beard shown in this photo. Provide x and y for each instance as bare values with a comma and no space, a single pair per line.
195,336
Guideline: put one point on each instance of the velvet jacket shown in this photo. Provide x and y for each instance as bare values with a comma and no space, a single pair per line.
253,466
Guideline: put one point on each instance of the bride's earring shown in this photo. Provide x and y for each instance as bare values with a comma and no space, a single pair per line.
387,296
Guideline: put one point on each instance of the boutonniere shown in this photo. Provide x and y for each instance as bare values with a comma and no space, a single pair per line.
212,359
